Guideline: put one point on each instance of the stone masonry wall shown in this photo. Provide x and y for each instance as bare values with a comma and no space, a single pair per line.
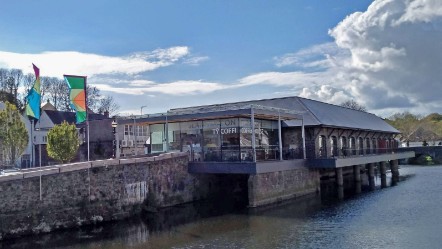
90,192
277,186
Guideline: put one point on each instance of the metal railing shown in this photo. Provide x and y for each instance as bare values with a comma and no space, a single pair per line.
348,152
244,154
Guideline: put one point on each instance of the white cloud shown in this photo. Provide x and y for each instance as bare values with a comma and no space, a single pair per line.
395,56
196,60
282,79
317,56
55,64
171,88
325,92
387,57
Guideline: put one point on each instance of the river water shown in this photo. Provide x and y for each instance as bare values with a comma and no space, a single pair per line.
408,215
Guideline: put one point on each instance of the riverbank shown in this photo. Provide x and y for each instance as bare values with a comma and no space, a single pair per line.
402,216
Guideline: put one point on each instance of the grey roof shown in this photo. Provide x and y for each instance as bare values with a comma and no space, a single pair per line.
57,117
315,113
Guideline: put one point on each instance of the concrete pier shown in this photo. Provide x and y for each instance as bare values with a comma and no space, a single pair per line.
340,183
394,165
383,169
371,175
357,173
339,177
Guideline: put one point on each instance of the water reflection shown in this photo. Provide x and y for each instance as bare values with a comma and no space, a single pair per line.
406,216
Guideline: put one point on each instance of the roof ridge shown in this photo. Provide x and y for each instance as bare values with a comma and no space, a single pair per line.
311,112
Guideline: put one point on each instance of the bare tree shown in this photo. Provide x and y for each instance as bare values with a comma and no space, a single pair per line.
108,104
353,105
15,82
93,98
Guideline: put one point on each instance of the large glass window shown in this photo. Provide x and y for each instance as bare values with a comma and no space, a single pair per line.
212,140
174,137
230,139
191,139
246,139
157,138
268,141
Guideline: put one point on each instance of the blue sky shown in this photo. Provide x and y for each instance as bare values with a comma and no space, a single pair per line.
167,54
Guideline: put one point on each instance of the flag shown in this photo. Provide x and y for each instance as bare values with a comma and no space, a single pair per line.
34,96
77,95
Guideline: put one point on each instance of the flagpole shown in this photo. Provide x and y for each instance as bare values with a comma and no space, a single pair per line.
32,143
87,117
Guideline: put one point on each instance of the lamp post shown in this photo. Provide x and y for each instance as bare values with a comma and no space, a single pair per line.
114,131
135,136
142,109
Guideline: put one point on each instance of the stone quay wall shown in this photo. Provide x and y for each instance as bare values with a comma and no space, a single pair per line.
273,187
89,192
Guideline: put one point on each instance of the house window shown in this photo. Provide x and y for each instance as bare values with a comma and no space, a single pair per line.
128,130
45,139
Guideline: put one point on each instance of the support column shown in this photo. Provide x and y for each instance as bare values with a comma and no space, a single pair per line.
357,178
394,165
340,183
339,177
371,175
383,175
357,173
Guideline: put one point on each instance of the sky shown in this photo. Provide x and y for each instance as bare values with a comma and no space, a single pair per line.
384,54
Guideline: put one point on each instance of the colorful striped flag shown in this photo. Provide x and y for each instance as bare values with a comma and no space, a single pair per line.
34,96
77,95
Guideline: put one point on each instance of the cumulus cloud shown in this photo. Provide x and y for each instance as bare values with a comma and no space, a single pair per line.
325,92
387,57
395,53
55,64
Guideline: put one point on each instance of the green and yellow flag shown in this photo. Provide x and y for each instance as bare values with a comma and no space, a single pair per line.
77,95
34,96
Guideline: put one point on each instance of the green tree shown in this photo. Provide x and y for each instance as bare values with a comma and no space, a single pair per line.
408,124
13,134
63,142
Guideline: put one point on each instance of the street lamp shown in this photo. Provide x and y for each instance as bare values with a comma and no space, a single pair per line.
114,131
142,109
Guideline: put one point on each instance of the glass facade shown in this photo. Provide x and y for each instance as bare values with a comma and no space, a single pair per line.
219,140
157,138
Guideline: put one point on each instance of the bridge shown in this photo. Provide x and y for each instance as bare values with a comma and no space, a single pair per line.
434,152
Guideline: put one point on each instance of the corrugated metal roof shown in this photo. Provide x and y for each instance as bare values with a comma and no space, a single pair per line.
338,116
314,113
